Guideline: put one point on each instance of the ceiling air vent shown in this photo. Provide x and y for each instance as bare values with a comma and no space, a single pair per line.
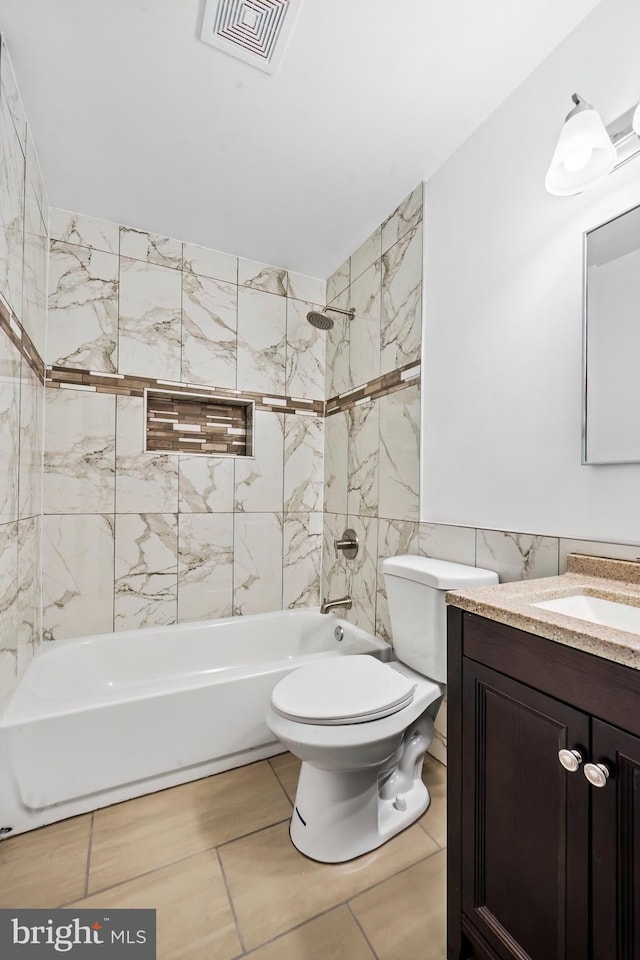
255,31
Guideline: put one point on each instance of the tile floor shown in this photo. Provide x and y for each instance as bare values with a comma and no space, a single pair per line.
214,859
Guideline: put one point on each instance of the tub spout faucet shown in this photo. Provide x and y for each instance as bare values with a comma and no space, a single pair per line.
328,605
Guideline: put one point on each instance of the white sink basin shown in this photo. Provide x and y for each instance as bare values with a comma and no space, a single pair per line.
609,613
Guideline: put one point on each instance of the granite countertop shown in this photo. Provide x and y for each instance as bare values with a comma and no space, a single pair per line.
511,603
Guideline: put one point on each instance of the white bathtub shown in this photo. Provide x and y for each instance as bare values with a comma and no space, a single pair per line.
96,720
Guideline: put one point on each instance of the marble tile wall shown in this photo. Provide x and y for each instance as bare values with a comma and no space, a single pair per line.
23,274
134,539
372,442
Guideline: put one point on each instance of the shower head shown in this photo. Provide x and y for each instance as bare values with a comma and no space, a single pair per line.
322,322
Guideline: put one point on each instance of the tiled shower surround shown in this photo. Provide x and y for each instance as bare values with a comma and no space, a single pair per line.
23,277
134,538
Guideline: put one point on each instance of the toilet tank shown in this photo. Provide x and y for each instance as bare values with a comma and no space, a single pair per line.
416,588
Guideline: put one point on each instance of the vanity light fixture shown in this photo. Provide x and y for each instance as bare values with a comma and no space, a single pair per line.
587,151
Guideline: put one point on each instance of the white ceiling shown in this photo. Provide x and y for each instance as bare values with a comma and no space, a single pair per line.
136,120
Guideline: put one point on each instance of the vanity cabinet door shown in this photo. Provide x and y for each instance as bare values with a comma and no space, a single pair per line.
616,845
525,820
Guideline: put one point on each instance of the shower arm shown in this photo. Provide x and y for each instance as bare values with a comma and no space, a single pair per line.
347,313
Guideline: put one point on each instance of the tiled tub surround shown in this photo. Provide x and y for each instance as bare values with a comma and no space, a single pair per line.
23,272
173,536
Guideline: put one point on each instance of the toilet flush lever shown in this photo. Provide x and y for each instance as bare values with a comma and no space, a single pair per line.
348,544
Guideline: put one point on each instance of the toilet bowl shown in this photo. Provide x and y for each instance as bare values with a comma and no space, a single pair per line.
362,727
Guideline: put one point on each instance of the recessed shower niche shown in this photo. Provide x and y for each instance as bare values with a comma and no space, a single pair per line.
197,424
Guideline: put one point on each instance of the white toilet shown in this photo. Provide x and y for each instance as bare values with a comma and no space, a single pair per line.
362,727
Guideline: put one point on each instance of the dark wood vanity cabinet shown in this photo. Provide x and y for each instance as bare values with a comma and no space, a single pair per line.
541,863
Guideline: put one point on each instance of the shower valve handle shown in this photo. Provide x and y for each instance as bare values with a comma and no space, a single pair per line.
348,544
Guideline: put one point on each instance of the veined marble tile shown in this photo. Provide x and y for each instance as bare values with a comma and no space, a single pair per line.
395,538
447,542
144,481
146,570
257,565
209,331
334,564
364,458
517,556
336,462
29,625
34,289
11,95
262,334
79,460
8,675
303,468
305,353
596,548
71,227
150,248
77,575
31,445
367,254
400,454
362,573
83,308
364,328
11,263
12,172
337,376
9,429
206,484
404,218
310,289
205,556
301,560
259,479
9,586
150,320
262,276
401,315
209,263
36,208
339,280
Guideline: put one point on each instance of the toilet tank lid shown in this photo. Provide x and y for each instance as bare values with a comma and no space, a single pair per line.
440,574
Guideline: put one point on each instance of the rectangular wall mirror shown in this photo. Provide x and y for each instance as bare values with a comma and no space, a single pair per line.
611,361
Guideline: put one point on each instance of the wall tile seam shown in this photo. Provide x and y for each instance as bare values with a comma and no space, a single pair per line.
15,331
184,266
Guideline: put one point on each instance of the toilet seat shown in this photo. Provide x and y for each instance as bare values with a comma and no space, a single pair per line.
342,690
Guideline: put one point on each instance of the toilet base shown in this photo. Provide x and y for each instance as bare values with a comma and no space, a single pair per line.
338,816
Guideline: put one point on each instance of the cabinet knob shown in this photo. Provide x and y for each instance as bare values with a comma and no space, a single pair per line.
597,774
570,759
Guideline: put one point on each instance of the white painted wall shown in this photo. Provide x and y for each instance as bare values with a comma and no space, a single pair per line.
503,304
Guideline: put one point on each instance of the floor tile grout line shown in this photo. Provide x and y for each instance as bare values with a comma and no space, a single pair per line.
89,848
341,903
174,863
361,929
275,773
232,905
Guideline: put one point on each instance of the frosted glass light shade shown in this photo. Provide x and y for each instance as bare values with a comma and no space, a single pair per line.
584,154
635,123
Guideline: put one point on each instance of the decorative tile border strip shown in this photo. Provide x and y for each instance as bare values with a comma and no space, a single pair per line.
21,340
197,424
399,379
130,386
